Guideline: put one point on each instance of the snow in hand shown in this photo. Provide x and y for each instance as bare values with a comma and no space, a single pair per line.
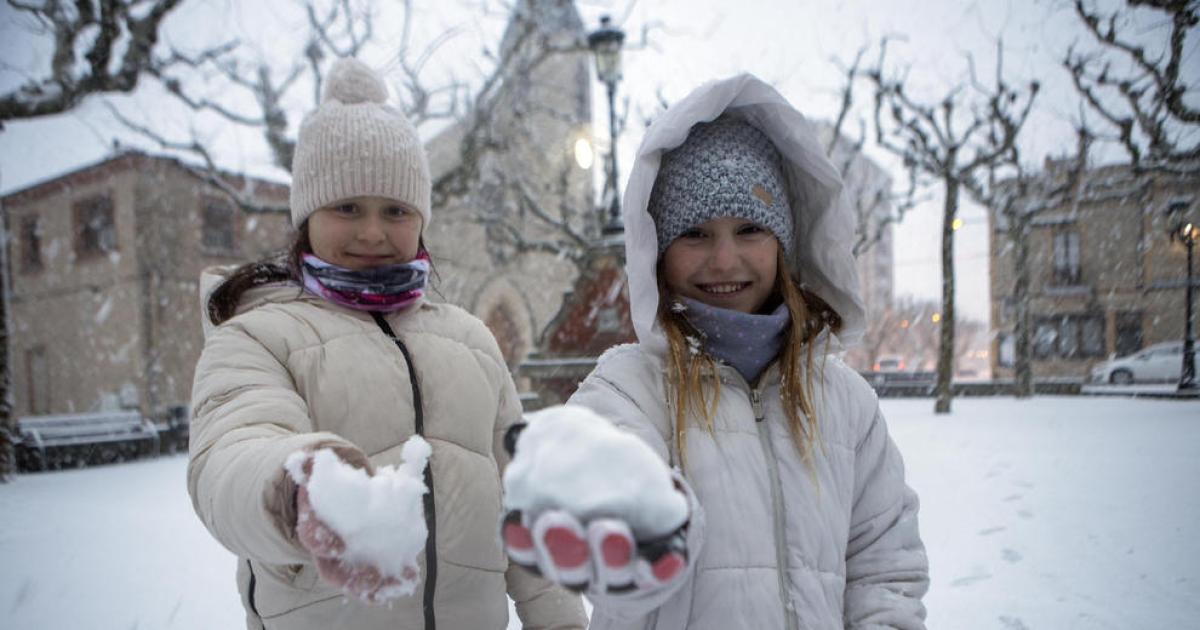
380,518
573,459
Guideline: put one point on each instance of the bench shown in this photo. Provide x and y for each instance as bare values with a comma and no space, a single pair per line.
83,438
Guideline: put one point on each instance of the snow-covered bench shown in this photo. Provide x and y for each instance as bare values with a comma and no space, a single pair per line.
83,438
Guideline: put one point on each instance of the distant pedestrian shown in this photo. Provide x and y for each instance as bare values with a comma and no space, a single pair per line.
335,345
743,291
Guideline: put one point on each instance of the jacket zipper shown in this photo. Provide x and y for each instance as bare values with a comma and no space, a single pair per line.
430,507
250,594
777,506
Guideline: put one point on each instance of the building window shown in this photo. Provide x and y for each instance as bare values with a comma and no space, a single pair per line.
37,373
1006,352
1129,333
217,222
1045,339
31,244
95,230
1066,257
1069,337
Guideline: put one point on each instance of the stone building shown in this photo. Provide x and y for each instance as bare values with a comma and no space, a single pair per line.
105,260
1105,276
104,264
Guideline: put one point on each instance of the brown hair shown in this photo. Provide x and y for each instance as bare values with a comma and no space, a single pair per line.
688,366
283,266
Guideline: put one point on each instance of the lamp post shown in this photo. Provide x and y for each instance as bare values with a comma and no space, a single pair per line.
1187,233
605,44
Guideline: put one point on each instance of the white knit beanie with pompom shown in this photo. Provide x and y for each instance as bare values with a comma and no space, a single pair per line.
355,145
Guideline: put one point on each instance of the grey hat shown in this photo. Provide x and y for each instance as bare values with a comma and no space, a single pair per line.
725,168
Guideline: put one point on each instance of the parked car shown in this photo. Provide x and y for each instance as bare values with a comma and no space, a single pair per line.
1161,363
887,364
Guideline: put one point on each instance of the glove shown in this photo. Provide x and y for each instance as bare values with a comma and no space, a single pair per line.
601,553
362,581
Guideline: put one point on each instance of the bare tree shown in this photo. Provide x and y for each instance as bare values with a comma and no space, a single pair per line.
880,338
1018,196
98,48
1139,95
951,140
507,203
876,205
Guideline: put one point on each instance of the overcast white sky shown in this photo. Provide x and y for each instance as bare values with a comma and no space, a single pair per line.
791,43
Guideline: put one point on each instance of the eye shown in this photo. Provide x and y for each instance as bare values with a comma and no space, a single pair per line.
346,209
751,229
693,233
396,212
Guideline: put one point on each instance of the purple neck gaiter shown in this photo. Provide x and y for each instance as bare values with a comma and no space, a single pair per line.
379,289
747,341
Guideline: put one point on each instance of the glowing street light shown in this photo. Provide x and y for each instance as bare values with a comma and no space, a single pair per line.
1188,234
605,44
584,156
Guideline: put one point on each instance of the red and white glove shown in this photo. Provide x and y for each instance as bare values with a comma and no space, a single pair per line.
362,581
600,554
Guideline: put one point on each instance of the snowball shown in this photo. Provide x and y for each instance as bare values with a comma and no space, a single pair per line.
570,458
381,518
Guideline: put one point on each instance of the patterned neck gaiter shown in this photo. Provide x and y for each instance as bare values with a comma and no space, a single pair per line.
747,341
380,289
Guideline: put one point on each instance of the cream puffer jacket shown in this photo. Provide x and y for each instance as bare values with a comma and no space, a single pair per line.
292,371
774,542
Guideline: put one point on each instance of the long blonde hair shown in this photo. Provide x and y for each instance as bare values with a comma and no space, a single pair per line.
693,376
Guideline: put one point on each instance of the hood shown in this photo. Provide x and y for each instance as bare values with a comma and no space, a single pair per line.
824,223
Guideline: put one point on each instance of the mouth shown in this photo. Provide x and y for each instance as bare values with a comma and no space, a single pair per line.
370,258
724,289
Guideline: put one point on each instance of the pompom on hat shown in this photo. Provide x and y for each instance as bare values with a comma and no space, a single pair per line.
725,168
356,145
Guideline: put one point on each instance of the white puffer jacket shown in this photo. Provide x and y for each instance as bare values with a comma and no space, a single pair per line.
774,543
293,371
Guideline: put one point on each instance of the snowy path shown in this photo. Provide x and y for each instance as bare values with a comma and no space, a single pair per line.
1055,514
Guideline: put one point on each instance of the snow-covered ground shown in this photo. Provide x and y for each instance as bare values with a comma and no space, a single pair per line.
1051,514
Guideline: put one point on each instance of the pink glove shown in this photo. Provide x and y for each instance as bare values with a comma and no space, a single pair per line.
363,581
601,554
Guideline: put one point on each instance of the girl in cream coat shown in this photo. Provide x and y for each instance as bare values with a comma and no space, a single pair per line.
335,346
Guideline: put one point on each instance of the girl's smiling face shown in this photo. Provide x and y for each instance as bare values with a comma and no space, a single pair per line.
726,262
363,232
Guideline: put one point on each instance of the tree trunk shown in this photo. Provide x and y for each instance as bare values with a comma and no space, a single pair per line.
1023,361
8,457
945,366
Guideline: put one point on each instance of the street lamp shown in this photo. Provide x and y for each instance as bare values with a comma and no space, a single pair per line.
1187,233
605,44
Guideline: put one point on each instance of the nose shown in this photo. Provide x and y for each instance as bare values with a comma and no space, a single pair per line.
371,230
724,254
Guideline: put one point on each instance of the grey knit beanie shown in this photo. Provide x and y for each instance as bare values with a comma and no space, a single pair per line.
725,168
355,145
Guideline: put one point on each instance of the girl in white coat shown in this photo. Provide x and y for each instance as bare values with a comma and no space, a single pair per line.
743,291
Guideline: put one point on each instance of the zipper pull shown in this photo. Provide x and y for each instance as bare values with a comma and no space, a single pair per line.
756,403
